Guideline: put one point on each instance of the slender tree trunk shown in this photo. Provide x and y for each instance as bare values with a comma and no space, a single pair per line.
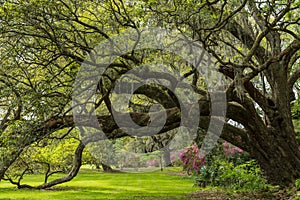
106,168
98,167
7,161
2,172
167,157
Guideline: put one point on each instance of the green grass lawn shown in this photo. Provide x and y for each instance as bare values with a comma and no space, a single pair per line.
94,185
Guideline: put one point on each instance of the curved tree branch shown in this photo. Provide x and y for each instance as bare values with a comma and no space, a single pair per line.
74,171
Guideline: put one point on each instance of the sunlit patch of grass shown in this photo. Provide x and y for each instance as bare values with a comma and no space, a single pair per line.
94,185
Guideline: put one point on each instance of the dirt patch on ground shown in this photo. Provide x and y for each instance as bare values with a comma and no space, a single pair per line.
287,194
223,195
284,194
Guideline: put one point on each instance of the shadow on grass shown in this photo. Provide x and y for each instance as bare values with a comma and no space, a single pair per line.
74,188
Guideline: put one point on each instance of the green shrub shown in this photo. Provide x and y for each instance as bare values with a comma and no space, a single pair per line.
297,184
225,174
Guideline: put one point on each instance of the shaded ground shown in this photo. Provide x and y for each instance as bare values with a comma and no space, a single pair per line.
216,194
286,194
222,195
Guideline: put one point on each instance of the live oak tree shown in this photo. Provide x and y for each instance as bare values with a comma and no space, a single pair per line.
255,43
257,47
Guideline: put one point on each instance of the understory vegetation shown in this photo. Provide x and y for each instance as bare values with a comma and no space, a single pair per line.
227,166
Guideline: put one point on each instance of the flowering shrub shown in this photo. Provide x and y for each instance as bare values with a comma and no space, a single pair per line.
192,161
231,150
227,165
153,163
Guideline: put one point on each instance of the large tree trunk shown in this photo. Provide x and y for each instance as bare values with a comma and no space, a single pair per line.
271,138
279,158
273,145
276,150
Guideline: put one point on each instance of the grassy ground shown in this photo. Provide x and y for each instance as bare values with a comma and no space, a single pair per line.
166,185
94,185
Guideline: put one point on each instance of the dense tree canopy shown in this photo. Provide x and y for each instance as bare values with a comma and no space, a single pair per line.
256,46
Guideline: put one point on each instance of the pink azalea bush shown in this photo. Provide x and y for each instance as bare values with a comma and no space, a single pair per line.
153,163
192,161
231,150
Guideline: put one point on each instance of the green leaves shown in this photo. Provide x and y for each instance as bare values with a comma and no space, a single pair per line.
246,176
297,184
